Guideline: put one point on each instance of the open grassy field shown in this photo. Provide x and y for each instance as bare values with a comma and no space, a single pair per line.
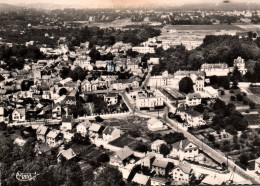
206,27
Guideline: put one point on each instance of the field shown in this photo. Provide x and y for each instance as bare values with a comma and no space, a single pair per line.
206,27
119,23
255,96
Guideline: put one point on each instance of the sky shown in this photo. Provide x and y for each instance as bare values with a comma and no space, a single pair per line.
115,3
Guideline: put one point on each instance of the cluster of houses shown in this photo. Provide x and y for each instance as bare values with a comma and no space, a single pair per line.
162,170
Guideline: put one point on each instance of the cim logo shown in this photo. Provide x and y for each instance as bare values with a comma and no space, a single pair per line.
26,176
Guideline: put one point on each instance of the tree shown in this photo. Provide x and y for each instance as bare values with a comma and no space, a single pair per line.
99,119
243,159
239,97
164,149
219,104
79,139
172,138
252,105
186,85
103,158
63,91
109,176
3,126
141,147
88,177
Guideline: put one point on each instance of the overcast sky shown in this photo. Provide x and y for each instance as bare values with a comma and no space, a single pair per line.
111,3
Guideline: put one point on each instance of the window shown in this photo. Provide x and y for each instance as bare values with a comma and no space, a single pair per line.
181,174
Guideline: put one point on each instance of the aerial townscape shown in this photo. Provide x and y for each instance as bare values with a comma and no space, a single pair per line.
129,93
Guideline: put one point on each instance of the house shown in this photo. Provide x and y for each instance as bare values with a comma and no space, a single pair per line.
159,181
67,136
95,129
149,100
125,173
153,61
122,84
143,50
67,122
215,69
194,118
110,134
2,112
184,149
70,100
161,167
212,93
42,148
122,157
41,133
216,180
141,179
240,64
156,145
82,127
18,115
155,124
182,173
54,138
193,99
111,98
257,165
56,111
148,160
67,154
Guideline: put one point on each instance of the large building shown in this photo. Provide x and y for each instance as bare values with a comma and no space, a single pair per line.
198,78
240,64
149,100
215,69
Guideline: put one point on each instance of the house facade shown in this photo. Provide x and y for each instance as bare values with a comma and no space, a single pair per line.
19,115
110,134
184,149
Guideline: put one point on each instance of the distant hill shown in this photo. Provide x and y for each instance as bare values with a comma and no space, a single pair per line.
7,7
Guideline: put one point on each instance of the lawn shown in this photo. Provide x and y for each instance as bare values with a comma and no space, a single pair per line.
227,95
123,141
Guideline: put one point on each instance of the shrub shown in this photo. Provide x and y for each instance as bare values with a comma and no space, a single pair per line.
239,97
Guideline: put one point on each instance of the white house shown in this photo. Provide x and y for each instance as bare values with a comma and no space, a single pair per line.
67,123
141,179
149,100
182,173
2,111
56,112
156,145
54,138
82,127
194,119
184,149
111,98
41,133
240,64
215,69
155,124
193,99
143,50
18,115
110,134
